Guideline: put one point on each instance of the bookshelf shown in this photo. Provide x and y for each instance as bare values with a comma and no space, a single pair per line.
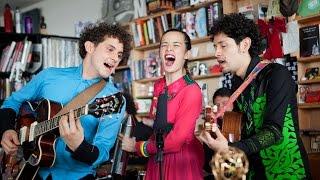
142,86
309,113
36,56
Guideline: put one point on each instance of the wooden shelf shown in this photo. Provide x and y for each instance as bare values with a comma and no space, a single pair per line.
152,15
144,97
203,58
122,68
308,19
179,10
309,106
310,131
38,35
309,59
315,154
157,45
142,114
194,7
147,47
312,81
201,40
147,80
206,76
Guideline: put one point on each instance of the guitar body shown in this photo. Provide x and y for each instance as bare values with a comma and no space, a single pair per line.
37,152
231,126
37,128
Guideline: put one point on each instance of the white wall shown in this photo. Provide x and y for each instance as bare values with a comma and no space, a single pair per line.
60,15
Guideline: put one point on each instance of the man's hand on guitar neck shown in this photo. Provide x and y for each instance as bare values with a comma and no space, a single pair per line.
10,141
217,144
71,131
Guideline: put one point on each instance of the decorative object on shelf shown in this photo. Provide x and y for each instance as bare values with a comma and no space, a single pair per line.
34,15
290,39
43,26
273,9
28,25
194,68
119,11
8,21
271,31
181,3
203,69
143,105
309,7
311,73
232,164
154,6
215,69
315,143
313,96
302,93
79,26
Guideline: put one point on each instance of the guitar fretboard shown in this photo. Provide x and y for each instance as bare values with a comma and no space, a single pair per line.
51,124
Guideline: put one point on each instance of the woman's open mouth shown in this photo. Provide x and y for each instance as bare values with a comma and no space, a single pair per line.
169,59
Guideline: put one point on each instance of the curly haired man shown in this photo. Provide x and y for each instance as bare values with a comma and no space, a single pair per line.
270,133
83,144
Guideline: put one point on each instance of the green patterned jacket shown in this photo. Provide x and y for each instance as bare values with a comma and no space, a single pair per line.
270,134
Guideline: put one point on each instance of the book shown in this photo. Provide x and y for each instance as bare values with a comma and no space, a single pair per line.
200,22
309,40
7,58
36,61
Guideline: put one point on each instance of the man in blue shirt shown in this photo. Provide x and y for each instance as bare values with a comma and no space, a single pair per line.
83,144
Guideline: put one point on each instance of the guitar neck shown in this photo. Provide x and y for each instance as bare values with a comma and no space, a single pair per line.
53,123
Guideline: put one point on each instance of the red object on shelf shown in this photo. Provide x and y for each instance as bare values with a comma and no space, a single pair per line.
313,96
8,21
215,69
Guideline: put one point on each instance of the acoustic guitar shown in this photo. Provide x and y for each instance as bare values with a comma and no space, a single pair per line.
230,124
38,129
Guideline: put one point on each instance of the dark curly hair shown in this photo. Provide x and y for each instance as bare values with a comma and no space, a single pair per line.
238,27
96,33
222,92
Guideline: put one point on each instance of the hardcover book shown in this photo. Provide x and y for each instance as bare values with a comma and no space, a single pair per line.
309,41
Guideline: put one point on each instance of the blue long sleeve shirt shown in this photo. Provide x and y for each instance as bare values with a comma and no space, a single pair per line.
62,85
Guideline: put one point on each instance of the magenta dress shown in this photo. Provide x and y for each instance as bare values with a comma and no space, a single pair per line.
183,153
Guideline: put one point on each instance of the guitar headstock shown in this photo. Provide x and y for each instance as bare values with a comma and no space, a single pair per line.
106,105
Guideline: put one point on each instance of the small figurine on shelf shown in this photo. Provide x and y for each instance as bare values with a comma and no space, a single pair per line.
8,21
203,69
43,26
311,73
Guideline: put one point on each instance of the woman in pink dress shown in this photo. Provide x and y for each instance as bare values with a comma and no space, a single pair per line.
183,155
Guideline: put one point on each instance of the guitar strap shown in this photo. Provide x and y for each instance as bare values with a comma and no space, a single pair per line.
82,98
253,74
